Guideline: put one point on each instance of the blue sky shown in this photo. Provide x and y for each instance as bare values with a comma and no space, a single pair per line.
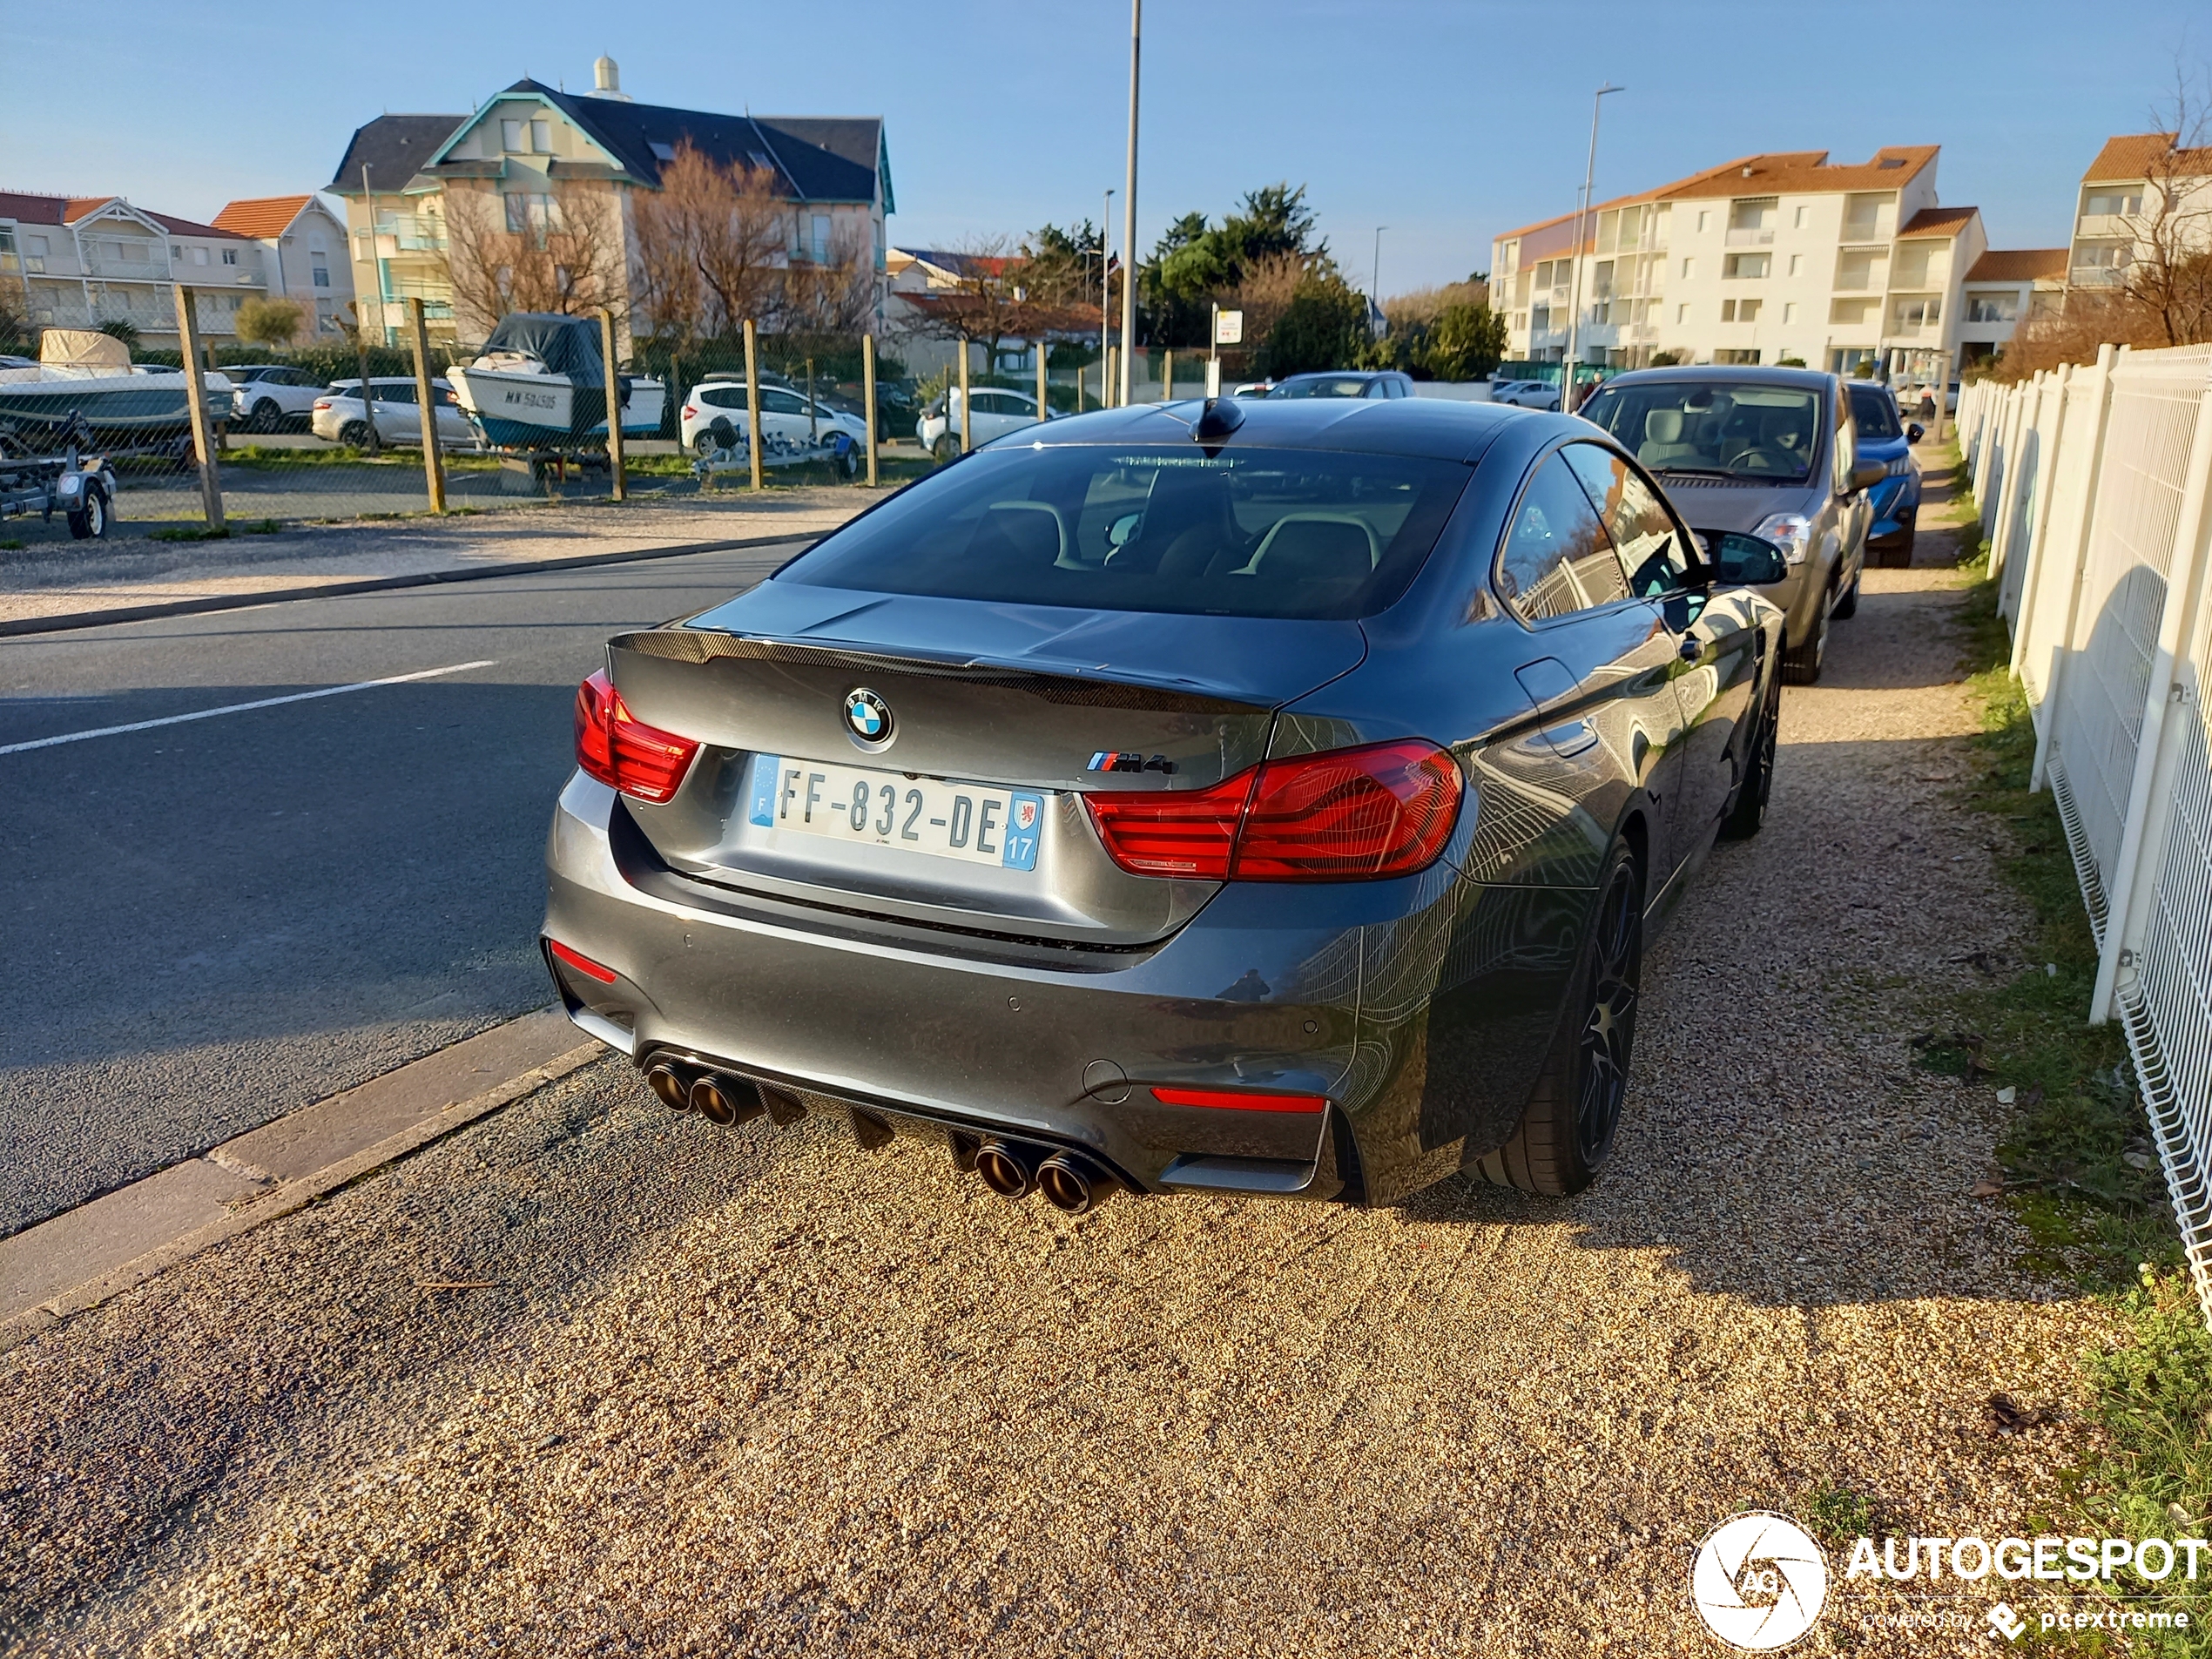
1445,122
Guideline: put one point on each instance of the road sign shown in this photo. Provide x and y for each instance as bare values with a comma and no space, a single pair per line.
1229,328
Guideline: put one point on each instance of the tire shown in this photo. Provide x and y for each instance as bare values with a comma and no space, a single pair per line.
946,450
704,445
1567,1131
92,523
1745,818
848,465
1900,557
1847,607
1801,663
355,433
264,417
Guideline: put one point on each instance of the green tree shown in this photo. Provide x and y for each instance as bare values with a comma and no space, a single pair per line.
1324,326
1196,262
270,322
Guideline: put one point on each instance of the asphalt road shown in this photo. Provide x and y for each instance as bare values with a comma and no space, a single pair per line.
209,923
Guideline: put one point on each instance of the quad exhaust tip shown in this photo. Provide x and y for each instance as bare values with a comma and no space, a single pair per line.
670,1086
1072,1183
723,1099
1006,1169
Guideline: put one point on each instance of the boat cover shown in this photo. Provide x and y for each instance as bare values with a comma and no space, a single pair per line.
83,348
566,346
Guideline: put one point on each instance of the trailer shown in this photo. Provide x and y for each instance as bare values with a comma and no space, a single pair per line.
81,490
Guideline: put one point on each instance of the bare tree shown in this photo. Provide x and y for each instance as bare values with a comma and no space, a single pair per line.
989,302
833,297
2168,272
559,252
710,245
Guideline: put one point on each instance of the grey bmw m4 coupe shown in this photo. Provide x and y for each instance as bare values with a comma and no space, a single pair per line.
1269,798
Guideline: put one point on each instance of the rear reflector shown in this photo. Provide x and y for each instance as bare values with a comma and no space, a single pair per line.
1237,1100
615,746
582,963
1349,814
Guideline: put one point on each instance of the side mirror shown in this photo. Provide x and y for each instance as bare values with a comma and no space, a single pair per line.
1867,474
1741,561
1915,432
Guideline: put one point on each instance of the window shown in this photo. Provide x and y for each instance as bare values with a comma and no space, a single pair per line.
1912,313
818,247
1159,527
1739,311
1860,271
1874,412
34,245
517,213
1682,314
1767,432
777,401
321,274
1738,358
1849,311
1796,263
1993,307
1703,217
1863,217
542,138
1558,558
1798,223
1737,266
230,256
1642,534
1688,269
1790,311
199,256
2122,202
511,137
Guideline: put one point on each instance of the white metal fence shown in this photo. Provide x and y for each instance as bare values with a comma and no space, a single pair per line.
2094,482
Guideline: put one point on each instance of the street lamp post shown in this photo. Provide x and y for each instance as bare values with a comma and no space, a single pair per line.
1105,300
1129,204
1574,303
1374,282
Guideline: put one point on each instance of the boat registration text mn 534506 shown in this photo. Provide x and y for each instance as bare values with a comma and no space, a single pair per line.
977,823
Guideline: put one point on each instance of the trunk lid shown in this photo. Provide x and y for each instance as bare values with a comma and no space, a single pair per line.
1017,697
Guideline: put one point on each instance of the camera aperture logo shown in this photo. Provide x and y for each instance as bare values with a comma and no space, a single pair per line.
1759,1582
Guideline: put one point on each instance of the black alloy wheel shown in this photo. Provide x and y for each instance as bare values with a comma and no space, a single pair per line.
1744,818
266,416
1610,1031
1801,665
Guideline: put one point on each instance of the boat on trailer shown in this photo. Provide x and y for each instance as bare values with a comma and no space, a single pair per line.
540,383
86,379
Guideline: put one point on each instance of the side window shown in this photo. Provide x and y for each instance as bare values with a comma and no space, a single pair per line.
1558,558
1651,557
777,402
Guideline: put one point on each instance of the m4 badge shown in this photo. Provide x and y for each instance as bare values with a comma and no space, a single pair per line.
1118,760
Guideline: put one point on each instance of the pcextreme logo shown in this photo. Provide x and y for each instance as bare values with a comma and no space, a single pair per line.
1759,1582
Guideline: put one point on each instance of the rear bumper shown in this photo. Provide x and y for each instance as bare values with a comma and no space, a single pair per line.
955,1039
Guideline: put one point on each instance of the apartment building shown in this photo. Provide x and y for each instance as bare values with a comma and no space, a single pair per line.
2141,189
79,261
2005,288
525,146
303,251
1767,258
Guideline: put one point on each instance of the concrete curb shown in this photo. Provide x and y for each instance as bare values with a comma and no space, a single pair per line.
254,1211
71,620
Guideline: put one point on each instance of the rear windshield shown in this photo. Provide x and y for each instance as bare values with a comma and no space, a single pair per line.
1768,432
1323,385
1289,533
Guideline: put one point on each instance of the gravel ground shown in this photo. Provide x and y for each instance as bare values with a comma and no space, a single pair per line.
758,1391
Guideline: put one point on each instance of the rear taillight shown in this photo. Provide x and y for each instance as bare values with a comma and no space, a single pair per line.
1349,814
691,413
582,963
615,746
322,402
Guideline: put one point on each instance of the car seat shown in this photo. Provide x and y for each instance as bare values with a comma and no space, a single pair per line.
1664,440
1188,528
1316,547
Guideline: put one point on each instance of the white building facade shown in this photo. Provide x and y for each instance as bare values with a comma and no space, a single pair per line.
77,262
1769,259
303,256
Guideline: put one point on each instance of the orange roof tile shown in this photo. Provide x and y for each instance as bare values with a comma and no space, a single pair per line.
1808,171
1938,221
2018,265
261,215
2135,155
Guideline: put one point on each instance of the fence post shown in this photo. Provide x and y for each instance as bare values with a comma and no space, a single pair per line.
203,434
1044,384
752,398
368,399
617,475
433,467
1167,376
2032,575
2150,794
2074,543
1998,528
867,397
966,402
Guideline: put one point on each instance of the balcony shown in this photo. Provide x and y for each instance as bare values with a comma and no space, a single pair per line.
2095,276
126,270
2116,226
1751,239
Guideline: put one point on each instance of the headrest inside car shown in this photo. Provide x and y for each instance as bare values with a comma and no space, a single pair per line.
1663,426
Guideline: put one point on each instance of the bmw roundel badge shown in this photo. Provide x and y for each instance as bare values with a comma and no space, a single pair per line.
867,717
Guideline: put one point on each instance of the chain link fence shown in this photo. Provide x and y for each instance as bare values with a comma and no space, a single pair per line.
2094,482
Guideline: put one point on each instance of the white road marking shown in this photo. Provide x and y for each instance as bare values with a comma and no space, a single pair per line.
239,708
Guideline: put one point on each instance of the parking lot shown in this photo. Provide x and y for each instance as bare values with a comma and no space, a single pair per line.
591,1378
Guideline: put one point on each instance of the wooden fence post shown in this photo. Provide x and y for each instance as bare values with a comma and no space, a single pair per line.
867,395
966,402
203,434
752,397
1044,389
433,468
617,476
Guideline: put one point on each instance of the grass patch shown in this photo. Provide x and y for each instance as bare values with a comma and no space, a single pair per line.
1836,1515
13,547
187,533
260,527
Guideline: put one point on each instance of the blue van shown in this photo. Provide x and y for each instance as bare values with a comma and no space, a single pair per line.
1883,436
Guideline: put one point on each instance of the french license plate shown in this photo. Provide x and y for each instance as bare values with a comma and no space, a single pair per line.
974,822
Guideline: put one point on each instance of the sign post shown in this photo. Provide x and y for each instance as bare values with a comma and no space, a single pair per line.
1228,330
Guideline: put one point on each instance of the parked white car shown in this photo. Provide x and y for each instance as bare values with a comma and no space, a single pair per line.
272,396
998,411
788,433
1525,395
339,416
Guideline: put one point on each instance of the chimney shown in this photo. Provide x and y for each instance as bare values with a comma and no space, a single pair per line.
606,80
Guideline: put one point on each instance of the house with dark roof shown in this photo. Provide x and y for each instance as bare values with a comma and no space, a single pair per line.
79,261
1782,256
530,148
